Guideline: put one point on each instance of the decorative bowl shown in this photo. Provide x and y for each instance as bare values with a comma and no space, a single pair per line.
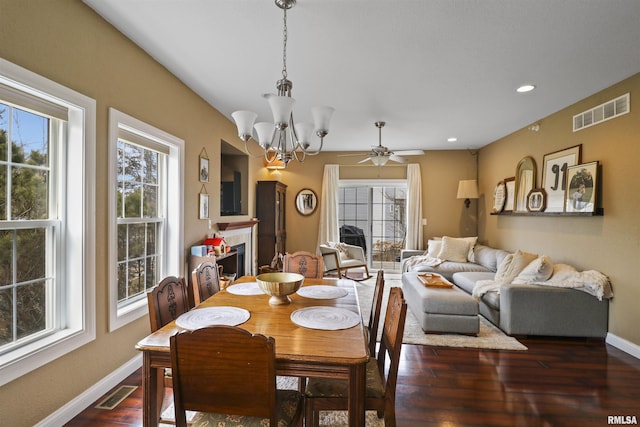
279,285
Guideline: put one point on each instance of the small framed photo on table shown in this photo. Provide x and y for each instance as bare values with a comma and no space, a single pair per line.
582,185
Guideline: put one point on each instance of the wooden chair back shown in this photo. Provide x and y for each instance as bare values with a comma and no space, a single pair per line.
225,370
205,282
167,301
374,315
302,262
331,395
390,346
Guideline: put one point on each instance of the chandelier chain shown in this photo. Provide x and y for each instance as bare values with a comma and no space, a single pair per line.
284,46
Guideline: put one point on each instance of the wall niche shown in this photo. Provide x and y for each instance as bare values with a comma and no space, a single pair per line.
234,173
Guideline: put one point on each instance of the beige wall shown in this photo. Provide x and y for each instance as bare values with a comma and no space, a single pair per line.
68,43
441,171
609,243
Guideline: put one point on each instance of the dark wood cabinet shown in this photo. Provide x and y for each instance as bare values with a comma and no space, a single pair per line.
271,199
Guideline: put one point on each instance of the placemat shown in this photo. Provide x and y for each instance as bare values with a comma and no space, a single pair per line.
322,292
325,318
245,288
209,316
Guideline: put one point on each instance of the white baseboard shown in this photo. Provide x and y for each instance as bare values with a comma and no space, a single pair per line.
95,392
624,345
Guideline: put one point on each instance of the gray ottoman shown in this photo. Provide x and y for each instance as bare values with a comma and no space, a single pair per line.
444,310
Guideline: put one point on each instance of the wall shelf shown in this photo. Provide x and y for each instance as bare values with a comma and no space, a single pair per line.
223,226
598,212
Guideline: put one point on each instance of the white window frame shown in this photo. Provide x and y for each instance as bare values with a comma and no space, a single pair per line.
172,243
76,259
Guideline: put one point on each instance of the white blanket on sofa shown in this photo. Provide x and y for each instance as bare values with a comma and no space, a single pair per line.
564,276
422,260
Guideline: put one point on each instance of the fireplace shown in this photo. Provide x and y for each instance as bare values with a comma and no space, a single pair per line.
240,237
240,248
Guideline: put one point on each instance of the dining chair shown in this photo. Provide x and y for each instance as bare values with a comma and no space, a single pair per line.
374,315
205,282
167,301
331,395
228,375
309,265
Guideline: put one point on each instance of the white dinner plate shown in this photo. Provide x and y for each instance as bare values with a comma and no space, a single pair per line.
322,292
209,316
325,318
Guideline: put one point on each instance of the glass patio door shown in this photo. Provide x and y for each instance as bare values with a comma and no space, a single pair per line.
372,214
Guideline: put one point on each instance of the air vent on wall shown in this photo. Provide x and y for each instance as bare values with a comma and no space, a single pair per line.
608,110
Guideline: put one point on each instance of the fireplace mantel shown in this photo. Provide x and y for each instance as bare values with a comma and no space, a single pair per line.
224,226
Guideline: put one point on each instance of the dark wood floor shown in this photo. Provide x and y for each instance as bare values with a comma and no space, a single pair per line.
554,383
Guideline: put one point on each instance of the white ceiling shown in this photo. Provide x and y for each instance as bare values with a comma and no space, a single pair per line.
431,69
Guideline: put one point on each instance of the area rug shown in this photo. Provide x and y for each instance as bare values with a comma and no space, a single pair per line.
327,418
490,337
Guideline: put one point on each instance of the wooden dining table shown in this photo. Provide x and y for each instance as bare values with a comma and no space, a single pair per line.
300,351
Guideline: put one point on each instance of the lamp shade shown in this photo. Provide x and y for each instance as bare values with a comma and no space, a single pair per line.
468,189
304,132
244,121
281,107
265,133
322,117
379,160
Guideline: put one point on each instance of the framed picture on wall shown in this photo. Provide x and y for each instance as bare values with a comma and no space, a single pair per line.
203,206
554,175
582,184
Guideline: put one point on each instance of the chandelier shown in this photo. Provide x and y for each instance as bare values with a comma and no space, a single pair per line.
283,140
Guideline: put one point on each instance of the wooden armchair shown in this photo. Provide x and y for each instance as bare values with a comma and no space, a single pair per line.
341,257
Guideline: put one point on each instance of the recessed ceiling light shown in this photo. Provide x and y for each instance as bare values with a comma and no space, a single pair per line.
452,139
525,88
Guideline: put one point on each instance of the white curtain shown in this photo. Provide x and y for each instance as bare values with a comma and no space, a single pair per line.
328,229
413,239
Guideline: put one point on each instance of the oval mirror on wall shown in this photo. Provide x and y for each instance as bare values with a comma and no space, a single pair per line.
306,202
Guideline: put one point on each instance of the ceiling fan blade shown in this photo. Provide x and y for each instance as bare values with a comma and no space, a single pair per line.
351,155
398,159
408,152
364,160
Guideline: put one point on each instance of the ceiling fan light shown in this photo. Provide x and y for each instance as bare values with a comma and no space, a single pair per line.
321,118
281,108
244,122
379,160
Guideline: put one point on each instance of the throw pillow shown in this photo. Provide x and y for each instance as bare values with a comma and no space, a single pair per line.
538,270
512,265
343,251
433,248
453,249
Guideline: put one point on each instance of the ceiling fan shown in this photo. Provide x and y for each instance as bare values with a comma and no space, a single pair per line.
380,155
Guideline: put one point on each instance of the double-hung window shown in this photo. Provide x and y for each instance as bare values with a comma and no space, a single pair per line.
47,205
146,213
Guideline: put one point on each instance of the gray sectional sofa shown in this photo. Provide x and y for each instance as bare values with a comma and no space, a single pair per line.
521,309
